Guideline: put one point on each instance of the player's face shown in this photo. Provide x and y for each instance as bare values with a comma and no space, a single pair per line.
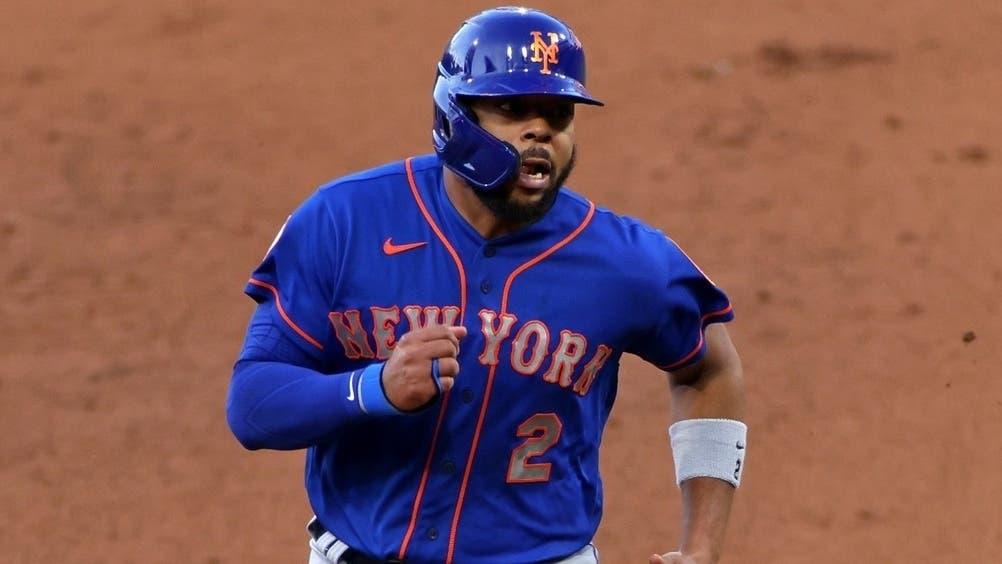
541,128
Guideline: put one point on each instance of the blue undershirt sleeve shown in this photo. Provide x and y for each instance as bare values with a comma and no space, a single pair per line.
279,399
281,406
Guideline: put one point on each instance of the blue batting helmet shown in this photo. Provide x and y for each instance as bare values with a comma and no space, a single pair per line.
500,52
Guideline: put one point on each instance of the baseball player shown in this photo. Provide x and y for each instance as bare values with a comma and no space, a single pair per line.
443,334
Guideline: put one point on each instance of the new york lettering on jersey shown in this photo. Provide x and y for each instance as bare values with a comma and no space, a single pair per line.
550,309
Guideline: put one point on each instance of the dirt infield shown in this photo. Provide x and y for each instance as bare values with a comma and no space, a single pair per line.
836,166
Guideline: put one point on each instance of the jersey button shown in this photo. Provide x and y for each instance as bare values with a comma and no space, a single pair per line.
431,533
489,251
448,467
467,395
485,286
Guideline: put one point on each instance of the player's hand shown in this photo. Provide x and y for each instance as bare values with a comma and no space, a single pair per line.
673,558
407,376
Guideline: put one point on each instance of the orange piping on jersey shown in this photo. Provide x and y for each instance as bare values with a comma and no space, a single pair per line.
699,344
415,510
424,480
441,237
542,256
281,311
490,375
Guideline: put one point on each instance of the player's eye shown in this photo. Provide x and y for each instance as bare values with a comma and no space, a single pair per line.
513,108
562,112
558,113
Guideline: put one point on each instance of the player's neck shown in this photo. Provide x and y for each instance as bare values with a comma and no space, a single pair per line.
474,211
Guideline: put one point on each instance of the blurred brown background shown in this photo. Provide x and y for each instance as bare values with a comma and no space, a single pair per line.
835,165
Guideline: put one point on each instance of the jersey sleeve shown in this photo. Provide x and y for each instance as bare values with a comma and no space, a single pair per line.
294,283
686,301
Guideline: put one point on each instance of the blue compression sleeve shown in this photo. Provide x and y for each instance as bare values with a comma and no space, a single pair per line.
282,406
278,397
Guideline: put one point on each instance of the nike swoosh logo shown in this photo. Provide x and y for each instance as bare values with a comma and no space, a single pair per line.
390,249
351,387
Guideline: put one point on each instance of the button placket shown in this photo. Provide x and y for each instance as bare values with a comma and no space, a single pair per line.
466,395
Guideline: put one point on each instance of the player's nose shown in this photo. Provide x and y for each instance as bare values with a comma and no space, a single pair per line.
537,129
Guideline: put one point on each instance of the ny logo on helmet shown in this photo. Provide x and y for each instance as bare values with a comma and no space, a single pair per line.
543,53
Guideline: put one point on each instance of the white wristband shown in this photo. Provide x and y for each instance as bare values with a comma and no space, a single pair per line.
713,448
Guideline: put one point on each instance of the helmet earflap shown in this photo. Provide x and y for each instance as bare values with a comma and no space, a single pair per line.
479,158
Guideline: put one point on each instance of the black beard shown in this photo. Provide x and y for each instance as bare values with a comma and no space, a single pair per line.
504,208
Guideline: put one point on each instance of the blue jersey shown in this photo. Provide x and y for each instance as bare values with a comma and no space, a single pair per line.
505,468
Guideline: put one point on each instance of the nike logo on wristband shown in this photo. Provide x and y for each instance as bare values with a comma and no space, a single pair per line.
390,249
351,387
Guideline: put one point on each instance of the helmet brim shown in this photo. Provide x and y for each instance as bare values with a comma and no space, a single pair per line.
524,83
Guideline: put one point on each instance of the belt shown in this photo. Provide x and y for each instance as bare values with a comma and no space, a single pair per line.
337,551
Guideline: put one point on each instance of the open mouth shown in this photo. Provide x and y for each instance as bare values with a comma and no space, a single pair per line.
535,173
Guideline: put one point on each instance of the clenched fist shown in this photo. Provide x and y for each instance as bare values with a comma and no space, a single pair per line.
407,377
